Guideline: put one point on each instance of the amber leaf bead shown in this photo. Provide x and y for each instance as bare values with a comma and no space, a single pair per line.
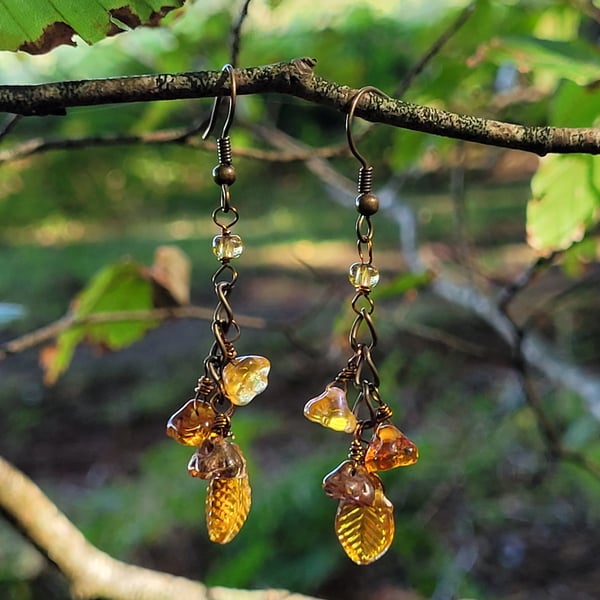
365,532
389,448
351,482
192,423
244,378
227,506
331,410
217,457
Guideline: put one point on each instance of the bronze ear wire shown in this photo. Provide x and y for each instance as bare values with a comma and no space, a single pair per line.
364,522
229,380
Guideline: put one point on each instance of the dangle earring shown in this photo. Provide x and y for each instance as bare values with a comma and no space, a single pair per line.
364,522
229,380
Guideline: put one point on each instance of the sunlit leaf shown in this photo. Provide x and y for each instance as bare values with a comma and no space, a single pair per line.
38,26
118,287
566,197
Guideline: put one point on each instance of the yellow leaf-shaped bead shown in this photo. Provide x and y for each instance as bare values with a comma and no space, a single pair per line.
245,377
192,423
365,532
331,410
227,506
389,448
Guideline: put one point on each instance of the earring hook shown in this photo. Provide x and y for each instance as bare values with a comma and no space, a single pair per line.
217,103
350,117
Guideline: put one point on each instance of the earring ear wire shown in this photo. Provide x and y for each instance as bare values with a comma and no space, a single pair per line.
217,103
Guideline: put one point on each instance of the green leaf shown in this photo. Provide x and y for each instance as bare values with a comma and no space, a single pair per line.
570,95
575,60
38,26
566,196
119,287
402,284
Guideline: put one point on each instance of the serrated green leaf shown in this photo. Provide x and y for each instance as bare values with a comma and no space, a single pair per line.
38,26
566,197
119,287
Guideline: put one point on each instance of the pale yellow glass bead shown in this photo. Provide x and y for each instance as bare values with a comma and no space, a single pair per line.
227,247
245,377
330,409
363,276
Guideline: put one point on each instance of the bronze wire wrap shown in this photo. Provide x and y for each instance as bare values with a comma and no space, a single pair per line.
210,386
361,369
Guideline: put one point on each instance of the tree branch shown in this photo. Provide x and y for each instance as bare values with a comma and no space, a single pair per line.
50,331
182,137
91,572
295,78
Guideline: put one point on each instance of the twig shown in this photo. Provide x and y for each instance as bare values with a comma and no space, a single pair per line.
434,49
50,331
236,33
295,78
509,292
91,572
164,136
10,124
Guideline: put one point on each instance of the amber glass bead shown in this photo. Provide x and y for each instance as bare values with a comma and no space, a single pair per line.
227,247
389,448
351,482
227,506
365,532
245,377
192,423
363,276
217,457
330,409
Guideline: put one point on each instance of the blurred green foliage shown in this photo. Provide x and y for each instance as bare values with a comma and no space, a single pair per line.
484,492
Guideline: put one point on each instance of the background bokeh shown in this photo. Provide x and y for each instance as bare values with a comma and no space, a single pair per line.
487,512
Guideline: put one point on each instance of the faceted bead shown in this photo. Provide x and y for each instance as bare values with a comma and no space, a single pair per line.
192,423
389,448
226,247
352,483
330,409
217,457
227,506
363,276
365,532
244,378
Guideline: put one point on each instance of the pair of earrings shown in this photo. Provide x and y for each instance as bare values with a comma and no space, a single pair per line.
364,522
